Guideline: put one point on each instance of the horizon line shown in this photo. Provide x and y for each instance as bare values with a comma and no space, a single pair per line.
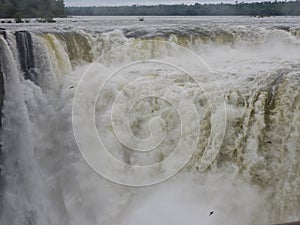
178,4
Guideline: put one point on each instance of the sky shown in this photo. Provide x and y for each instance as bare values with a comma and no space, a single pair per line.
140,2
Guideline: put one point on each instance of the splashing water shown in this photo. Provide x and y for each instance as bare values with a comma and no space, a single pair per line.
216,105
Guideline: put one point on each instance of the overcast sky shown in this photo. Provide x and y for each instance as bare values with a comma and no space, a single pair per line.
140,2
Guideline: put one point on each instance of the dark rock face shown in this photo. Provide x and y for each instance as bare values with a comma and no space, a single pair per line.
1,153
1,95
25,49
3,32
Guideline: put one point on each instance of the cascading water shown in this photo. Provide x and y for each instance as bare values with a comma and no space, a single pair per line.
253,171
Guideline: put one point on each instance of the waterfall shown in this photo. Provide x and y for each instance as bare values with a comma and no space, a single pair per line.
253,172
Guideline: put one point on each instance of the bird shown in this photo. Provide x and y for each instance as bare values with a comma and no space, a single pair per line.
269,142
211,212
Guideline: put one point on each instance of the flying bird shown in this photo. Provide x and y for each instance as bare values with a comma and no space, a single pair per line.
210,213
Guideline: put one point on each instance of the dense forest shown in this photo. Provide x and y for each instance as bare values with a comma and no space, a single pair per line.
32,8
251,9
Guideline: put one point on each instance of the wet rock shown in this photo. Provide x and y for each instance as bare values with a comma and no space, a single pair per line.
1,153
25,49
3,32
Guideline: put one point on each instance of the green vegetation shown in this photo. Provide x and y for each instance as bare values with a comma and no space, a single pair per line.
291,8
31,9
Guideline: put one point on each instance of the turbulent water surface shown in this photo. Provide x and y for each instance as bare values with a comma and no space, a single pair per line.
227,89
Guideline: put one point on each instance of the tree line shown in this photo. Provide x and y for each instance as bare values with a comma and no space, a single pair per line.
291,8
32,8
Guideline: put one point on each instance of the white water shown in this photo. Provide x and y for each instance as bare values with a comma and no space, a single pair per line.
250,181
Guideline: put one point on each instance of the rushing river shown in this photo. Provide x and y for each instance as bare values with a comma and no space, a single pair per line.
113,121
